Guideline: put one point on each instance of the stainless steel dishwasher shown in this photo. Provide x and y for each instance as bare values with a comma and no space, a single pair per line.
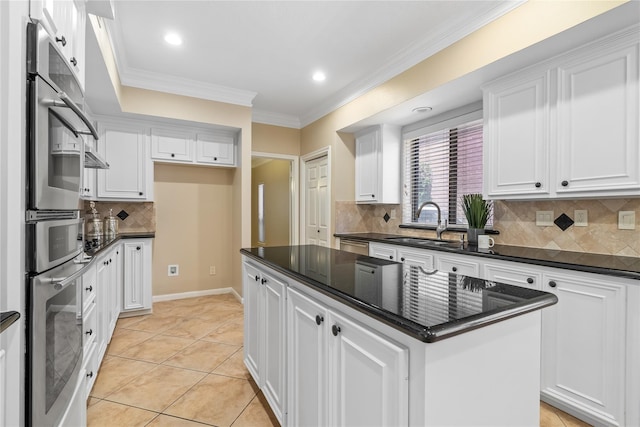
355,246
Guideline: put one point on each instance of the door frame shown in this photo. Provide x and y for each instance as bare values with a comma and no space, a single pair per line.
314,155
294,212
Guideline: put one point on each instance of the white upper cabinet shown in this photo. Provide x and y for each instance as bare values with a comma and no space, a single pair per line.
130,173
378,165
171,145
516,135
567,128
597,116
215,149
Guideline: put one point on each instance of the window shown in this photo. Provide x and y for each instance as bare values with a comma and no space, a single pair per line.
442,162
261,237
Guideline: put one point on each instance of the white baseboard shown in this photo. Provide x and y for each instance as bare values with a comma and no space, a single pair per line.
194,294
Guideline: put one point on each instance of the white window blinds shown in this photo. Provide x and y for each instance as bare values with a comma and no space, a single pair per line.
441,165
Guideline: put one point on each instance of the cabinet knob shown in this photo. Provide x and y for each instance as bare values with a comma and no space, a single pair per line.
110,260
263,281
373,196
257,277
173,155
138,248
564,183
454,268
335,330
215,159
89,289
74,61
319,319
90,374
318,231
529,280
61,40
552,283
538,185
402,259
140,193
89,332
105,263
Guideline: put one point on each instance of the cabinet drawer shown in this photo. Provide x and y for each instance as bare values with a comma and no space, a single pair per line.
91,368
453,265
88,288
383,252
512,276
89,327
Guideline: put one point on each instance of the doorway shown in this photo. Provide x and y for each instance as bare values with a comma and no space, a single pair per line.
274,201
316,178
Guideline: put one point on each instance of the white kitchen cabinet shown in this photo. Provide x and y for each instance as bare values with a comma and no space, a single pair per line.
516,127
459,264
568,127
115,291
583,346
340,372
136,277
512,274
598,120
215,149
416,258
377,165
76,412
88,190
264,329
171,145
106,282
380,250
130,175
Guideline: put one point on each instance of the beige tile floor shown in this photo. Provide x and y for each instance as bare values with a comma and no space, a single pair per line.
182,366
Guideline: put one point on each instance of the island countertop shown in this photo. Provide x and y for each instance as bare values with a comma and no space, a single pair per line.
427,305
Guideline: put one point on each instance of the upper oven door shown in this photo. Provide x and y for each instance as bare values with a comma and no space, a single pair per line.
53,242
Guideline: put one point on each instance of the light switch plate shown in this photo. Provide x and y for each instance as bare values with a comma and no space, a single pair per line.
580,218
626,220
544,218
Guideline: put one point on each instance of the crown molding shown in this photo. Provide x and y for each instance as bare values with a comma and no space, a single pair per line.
275,119
407,58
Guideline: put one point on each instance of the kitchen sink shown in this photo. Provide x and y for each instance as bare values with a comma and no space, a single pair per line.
425,242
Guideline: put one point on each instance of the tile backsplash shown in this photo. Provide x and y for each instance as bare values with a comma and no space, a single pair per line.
141,215
516,222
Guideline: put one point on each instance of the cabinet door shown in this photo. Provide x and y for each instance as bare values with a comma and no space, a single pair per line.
416,258
367,153
251,292
306,362
598,120
102,321
274,343
124,149
171,145
459,264
76,412
583,346
115,290
215,149
516,128
136,275
368,376
382,251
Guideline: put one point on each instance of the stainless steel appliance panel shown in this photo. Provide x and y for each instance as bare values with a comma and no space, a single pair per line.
56,341
355,246
53,242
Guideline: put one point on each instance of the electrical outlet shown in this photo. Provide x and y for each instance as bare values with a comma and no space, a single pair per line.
173,270
212,270
626,220
580,218
544,218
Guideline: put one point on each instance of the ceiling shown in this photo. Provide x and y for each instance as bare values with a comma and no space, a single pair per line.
263,53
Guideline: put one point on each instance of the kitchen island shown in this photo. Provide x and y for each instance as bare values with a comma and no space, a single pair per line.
335,338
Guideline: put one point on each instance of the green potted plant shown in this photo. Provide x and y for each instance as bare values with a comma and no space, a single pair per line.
477,211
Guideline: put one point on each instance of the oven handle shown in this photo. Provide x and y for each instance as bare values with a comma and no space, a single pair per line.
61,282
72,105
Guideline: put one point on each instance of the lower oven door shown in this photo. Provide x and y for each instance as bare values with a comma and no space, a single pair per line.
55,344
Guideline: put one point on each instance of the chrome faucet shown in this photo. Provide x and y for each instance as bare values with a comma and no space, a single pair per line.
439,228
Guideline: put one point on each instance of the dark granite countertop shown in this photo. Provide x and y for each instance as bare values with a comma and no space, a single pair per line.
8,318
93,248
427,305
612,265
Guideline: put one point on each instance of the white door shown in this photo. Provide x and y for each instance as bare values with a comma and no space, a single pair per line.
317,201
306,365
583,342
368,377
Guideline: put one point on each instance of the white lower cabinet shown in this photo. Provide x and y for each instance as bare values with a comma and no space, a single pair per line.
264,349
76,413
136,286
583,341
340,372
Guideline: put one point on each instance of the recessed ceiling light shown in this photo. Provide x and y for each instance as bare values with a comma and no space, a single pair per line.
421,109
173,39
319,76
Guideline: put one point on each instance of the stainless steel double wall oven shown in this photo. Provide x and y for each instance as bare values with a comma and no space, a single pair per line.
57,126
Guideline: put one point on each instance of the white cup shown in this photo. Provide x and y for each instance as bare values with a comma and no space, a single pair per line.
485,242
